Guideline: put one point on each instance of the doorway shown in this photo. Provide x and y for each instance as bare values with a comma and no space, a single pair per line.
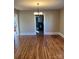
39,24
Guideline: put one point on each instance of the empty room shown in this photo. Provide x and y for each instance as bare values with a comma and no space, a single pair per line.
38,29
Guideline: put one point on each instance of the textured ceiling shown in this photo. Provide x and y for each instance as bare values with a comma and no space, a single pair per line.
43,4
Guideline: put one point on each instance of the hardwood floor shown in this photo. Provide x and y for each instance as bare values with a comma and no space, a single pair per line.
39,47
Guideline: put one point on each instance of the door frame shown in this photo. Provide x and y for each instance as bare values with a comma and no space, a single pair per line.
35,23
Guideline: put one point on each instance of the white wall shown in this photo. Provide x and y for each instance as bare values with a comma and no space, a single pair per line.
62,21
51,22
27,22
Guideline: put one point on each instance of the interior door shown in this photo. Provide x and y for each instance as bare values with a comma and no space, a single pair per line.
39,24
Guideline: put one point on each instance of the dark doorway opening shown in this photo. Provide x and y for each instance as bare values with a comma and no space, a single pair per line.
39,24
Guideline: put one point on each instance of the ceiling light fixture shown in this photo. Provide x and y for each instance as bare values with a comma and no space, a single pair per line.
38,12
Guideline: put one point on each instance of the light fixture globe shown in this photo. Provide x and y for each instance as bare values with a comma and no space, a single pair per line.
38,13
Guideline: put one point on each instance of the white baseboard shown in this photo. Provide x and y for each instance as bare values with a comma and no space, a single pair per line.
28,33
61,34
54,33
46,33
51,33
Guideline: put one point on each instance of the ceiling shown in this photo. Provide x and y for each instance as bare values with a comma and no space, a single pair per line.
43,4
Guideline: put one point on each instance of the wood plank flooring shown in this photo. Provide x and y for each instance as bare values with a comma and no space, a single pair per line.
39,47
